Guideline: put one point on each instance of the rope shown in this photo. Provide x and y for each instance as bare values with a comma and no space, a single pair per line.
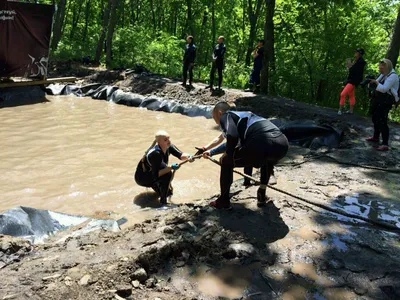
397,171
328,208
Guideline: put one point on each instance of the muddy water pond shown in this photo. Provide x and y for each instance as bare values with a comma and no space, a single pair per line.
78,156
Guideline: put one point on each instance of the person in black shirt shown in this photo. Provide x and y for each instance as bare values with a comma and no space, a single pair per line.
250,141
356,73
153,170
217,63
258,54
188,60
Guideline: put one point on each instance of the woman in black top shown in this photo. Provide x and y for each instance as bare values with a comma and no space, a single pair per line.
153,170
356,71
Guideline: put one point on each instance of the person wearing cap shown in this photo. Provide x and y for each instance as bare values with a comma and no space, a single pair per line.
251,141
153,170
356,73
217,63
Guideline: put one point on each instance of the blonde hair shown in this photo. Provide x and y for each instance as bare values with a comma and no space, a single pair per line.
388,64
159,134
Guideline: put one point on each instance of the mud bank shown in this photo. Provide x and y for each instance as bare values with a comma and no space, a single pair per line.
196,252
286,250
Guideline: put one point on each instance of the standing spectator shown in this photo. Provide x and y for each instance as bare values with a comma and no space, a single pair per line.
188,60
384,96
217,63
356,71
258,54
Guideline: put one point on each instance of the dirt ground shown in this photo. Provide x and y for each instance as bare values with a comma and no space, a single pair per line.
285,250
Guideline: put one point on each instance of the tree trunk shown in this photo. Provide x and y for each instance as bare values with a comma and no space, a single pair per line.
394,48
213,29
75,19
87,15
100,44
269,53
110,32
58,24
153,15
189,20
253,18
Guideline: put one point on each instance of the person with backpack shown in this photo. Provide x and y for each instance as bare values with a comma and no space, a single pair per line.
153,170
386,95
356,73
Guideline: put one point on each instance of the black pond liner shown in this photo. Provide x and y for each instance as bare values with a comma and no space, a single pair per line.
114,94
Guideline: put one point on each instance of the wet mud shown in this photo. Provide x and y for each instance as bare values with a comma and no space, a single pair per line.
285,250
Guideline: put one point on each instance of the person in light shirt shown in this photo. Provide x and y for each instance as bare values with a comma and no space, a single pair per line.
383,99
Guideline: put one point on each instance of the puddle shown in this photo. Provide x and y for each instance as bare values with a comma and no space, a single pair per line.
308,271
368,206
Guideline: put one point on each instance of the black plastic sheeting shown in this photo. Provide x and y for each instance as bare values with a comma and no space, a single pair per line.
308,134
14,96
305,133
36,224
114,94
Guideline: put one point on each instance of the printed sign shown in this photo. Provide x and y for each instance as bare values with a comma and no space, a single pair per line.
25,31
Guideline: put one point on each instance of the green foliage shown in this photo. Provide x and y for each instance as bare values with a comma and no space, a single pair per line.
312,39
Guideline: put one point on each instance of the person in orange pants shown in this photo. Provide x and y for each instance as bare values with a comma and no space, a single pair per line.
356,72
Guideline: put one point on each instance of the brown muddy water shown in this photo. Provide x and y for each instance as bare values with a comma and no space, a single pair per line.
78,156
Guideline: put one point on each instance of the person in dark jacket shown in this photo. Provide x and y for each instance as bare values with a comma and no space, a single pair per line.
188,60
258,55
217,63
356,73
250,141
153,170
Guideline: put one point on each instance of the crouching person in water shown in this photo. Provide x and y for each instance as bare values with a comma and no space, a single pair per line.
251,141
153,170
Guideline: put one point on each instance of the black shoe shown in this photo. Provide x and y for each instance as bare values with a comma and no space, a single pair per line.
210,86
246,182
261,197
183,84
163,201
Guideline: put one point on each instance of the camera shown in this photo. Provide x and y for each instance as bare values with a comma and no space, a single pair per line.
367,80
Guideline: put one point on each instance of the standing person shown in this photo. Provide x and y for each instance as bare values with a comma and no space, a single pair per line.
188,60
384,96
258,55
153,170
217,63
250,141
356,73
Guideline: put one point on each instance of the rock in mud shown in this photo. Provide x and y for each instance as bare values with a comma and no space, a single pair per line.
135,284
85,280
151,282
239,250
140,275
124,290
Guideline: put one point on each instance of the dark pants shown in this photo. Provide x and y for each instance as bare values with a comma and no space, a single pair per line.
260,152
188,67
219,67
255,76
381,105
160,185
